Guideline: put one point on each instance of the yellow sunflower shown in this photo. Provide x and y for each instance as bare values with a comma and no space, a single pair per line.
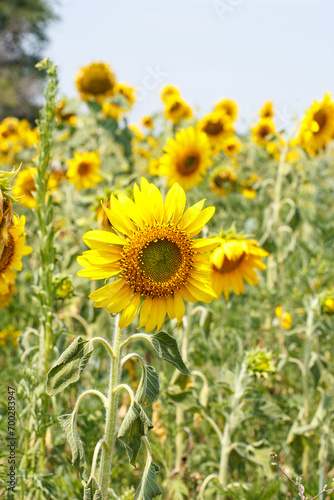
12,254
154,166
121,102
168,91
232,262
147,122
95,81
223,180
176,109
83,170
231,146
25,187
267,111
217,126
262,130
154,258
285,318
317,128
9,129
186,158
227,107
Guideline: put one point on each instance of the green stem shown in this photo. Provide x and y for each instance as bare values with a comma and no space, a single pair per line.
111,410
179,411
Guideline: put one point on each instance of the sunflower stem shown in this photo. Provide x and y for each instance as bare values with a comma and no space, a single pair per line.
111,410
179,411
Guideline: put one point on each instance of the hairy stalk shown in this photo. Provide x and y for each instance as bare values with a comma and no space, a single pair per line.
44,212
111,410
179,411
306,390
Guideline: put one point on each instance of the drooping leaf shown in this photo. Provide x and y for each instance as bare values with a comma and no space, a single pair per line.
69,366
92,490
149,487
135,425
69,424
166,348
149,386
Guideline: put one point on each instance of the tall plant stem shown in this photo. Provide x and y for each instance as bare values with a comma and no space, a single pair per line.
179,411
44,212
111,410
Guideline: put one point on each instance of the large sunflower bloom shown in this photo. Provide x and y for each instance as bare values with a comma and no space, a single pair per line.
83,170
227,107
176,109
153,256
217,126
95,81
12,254
317,127
232,262
186,158
262,131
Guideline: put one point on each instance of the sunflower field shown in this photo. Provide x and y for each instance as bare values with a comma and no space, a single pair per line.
167,299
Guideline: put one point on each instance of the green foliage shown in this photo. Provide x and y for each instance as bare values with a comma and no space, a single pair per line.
166,348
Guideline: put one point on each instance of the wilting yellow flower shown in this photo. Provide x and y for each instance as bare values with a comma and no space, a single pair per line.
147,122
223,180
176,109
154,166
154,258
83,170
262,130
25,187
63,115
285,318
168,91
121,102
12,255
95,81
5,298
259,362
186,158
231,146
267,111
227,107
232,262
247,186
217,126
317,128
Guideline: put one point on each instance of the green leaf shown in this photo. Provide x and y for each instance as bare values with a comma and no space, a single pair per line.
135,425
94,107
69,425
92,490
149,487
149,386
69,366
166,348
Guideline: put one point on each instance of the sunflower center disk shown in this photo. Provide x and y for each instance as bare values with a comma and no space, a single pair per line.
213,128
230,264
83,168
320,118
7,254
189,164
157,260
160,260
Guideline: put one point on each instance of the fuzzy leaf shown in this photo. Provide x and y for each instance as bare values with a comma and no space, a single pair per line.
69,424
92,490
166,348
69,366
149,487
149,386
135,425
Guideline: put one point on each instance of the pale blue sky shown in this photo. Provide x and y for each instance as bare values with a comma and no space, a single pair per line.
247,50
